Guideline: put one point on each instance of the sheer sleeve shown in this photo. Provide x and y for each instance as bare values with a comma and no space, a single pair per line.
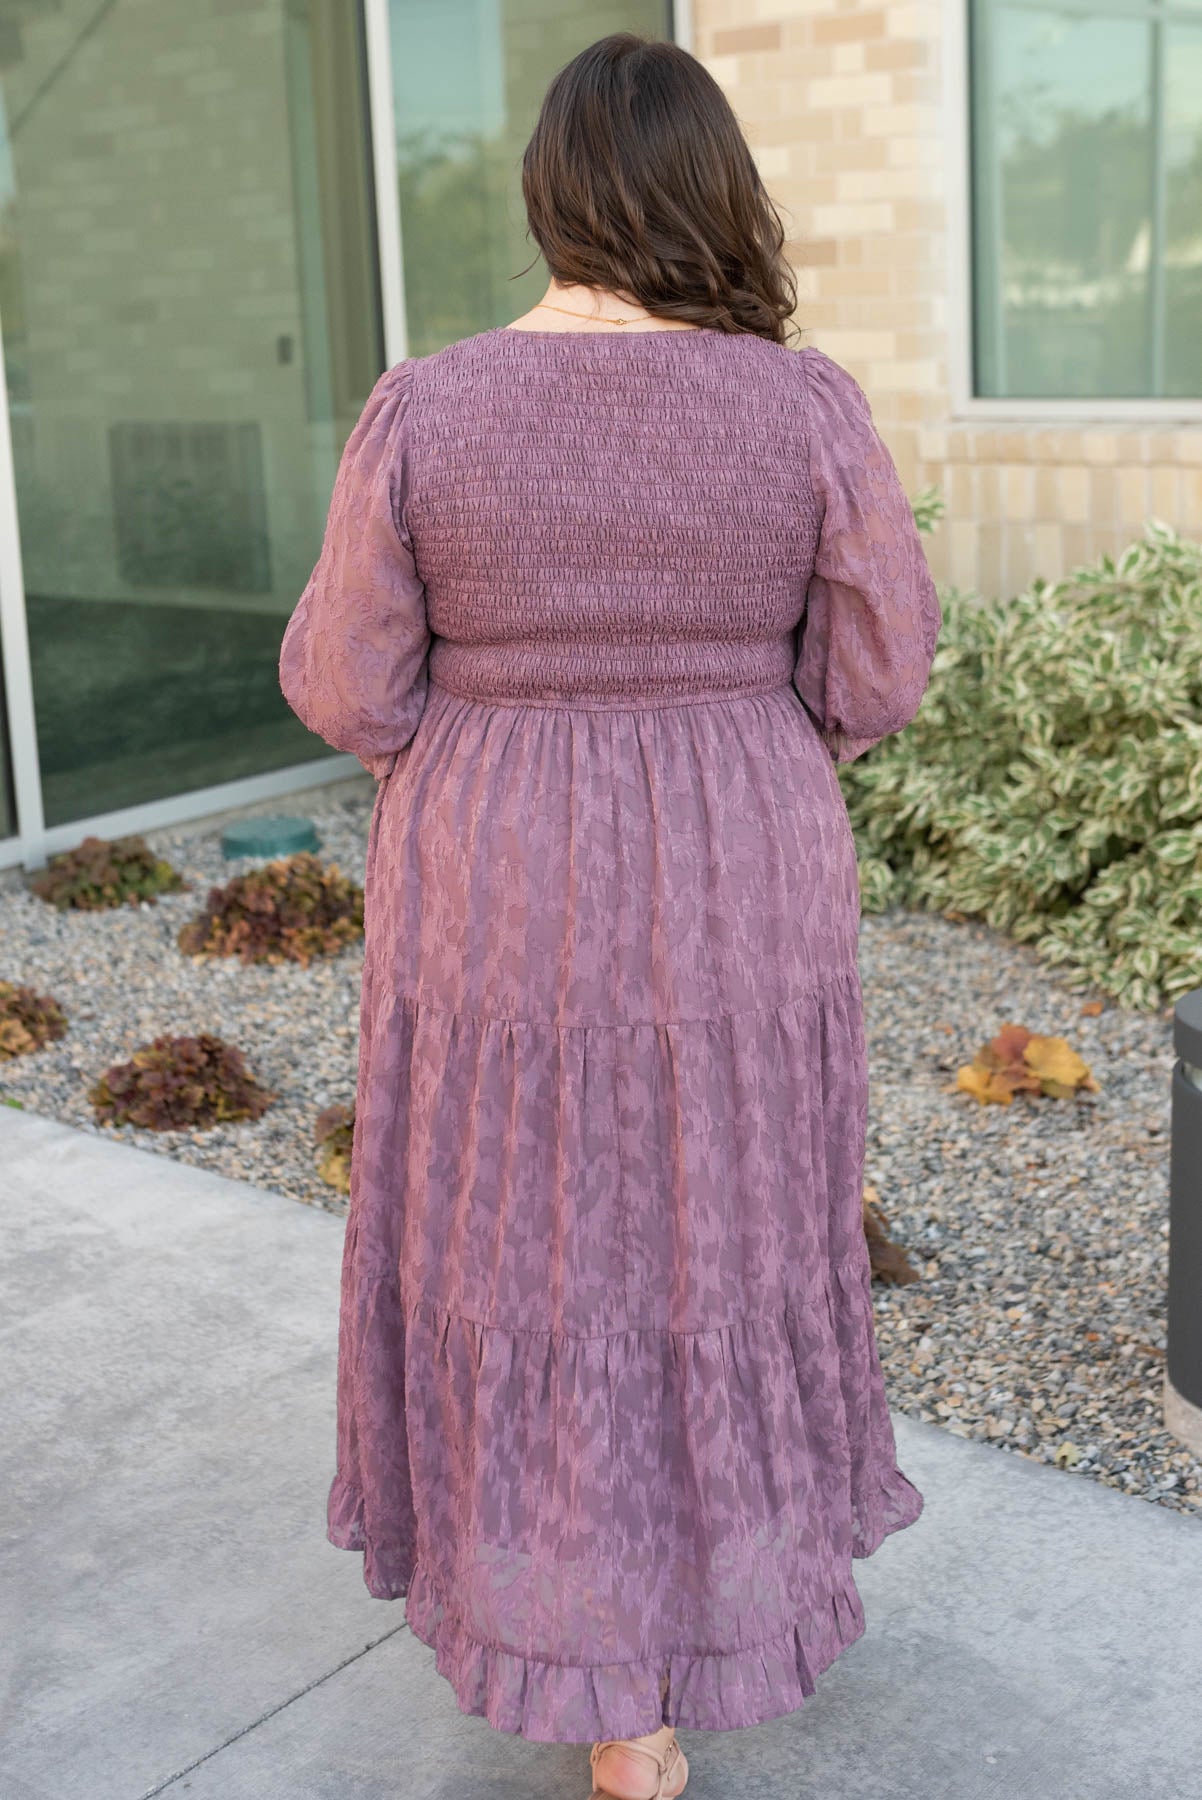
353,661
867,637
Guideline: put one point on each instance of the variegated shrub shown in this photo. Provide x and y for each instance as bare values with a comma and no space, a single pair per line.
1052,781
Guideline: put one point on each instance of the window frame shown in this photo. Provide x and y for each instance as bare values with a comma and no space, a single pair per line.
967,406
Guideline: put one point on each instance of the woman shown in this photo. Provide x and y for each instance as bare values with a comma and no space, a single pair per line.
605,593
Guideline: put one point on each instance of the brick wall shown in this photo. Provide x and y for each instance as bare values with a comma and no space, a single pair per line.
846,110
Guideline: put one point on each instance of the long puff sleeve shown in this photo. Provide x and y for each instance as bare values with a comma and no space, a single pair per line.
867,636
353,661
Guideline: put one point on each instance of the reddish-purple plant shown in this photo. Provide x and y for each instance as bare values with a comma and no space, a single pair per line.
179,1082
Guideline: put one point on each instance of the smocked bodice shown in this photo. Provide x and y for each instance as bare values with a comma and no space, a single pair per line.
593,521
604,520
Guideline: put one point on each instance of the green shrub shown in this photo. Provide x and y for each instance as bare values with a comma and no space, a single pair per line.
290,910
1051,783
928,507
27,1020
333,1134
101,873
179,1082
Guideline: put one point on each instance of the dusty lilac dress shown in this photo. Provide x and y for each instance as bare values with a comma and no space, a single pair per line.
601,612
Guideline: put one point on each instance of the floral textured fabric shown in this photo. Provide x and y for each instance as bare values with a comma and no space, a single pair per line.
601,613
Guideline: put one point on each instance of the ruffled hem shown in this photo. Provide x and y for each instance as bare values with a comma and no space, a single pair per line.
555,1702
753,1463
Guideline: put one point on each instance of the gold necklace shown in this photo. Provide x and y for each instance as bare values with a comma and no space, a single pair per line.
571,314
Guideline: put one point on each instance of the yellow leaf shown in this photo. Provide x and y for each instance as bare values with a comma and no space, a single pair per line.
1054,1062
983,1085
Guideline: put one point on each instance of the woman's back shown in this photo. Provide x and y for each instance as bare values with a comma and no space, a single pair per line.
598,516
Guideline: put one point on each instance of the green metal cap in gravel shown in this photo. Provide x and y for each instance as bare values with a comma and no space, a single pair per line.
277,836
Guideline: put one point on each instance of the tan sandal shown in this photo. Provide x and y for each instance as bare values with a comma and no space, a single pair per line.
670,1765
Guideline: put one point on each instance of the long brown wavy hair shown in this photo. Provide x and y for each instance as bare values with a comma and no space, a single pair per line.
638,179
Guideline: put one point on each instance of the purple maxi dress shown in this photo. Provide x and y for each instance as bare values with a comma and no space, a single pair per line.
601,613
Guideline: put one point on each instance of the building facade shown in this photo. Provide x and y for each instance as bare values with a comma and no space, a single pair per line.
219,222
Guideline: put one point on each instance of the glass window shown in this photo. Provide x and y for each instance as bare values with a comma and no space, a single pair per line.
189,286
468,78
1087,199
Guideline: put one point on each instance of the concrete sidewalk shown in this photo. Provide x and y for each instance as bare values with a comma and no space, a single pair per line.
176,1624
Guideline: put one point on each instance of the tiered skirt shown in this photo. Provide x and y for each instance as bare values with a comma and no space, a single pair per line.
610,1412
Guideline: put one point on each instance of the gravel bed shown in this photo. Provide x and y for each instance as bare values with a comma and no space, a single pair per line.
122,980
1039,1230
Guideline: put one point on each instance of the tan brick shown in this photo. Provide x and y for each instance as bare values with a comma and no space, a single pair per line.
1191,501
1047,551
1187,447
856,91
861,346
901,121
1079,546
1072,491
1166,495
773,161
852,153
904,53
913,281
841,219
914,86
725,71
914,19
1100,447
781,128
737,39
1042,448
959,486
821,313
881,184
815,253
990,576
1103,495
1066,446
847,59
911,152
1047,493
921,376
1134,490
920,215
1018,491
988,490
842,26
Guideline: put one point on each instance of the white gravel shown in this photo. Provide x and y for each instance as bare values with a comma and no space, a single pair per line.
1040,1229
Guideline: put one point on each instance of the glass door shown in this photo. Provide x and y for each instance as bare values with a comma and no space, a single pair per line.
468,79
189,292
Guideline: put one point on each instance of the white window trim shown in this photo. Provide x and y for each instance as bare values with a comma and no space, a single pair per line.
386,178
968,408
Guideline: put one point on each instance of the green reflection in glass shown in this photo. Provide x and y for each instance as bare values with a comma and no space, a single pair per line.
469,77
191,320
1086,218
1183,210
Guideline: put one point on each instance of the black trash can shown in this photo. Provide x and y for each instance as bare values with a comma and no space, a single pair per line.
1183,1375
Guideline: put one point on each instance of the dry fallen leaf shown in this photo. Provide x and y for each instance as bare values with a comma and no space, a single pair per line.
1059,1068
1017,1061
888,1260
